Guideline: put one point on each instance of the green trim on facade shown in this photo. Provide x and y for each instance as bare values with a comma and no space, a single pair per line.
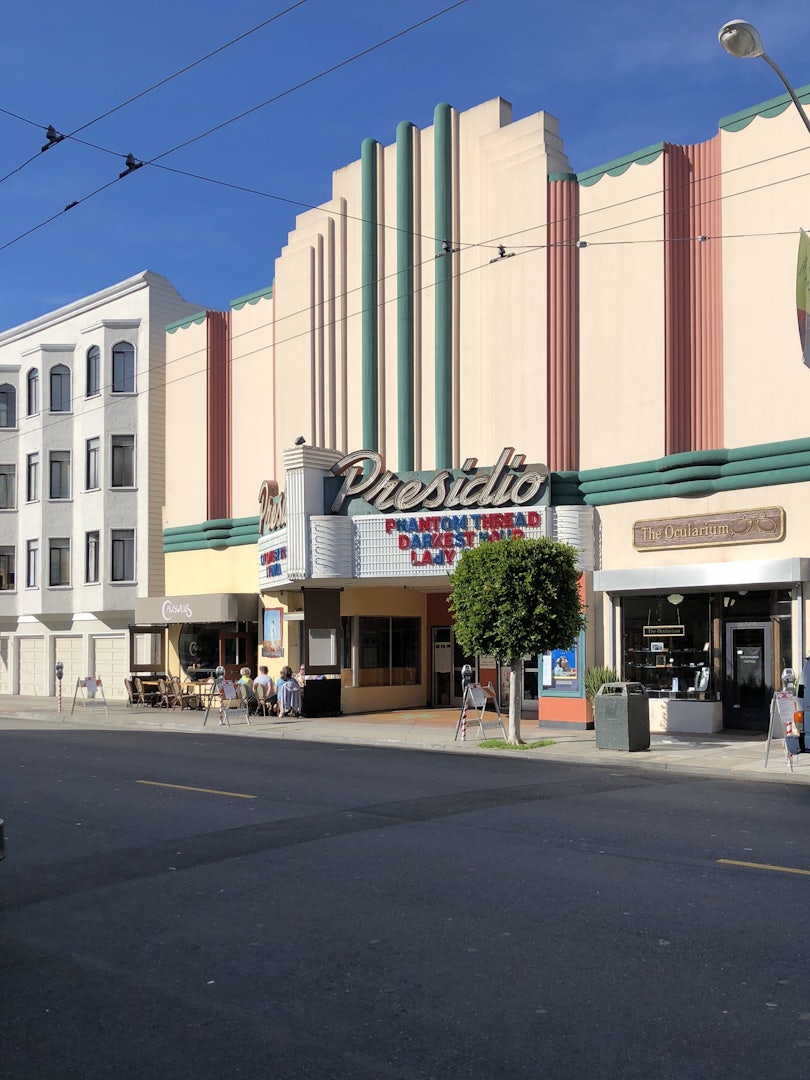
369,294
252,298
688,475
443,192
222,532
181,324
405,300
621,165
555,176
773,107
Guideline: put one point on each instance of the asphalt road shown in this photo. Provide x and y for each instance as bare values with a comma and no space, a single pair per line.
174,906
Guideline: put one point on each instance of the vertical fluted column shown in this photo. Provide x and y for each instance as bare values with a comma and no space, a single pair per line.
370,294
562,352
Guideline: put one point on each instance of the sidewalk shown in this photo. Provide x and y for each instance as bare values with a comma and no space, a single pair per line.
725,754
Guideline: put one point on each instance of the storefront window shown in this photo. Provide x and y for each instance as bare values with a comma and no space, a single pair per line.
561,672
198,649
390,651
667,642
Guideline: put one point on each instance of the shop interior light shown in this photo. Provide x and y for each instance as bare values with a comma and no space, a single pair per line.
675,599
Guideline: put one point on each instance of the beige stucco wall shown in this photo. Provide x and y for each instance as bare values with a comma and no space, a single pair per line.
622,324
254,405
186,426
766,194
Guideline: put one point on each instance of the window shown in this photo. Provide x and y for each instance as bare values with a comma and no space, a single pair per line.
390,651
33,392
123,372
123,461
59,562
91,558
60,388
93,371
32,564
8,487
60,474
8,406
32,478
7,569
123,555
92,475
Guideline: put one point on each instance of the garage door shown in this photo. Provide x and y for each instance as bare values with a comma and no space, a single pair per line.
69,651
31,652
5,670
112,664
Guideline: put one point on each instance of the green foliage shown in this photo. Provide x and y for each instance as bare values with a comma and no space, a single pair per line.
595,677
516,597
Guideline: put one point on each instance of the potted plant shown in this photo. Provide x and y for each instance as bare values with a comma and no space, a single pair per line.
594,678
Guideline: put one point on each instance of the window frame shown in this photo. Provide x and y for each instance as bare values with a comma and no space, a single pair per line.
92,379
8,553
32,476
9,501
61,457
385,635
92,557
118,444
32,564
92,463
123,368
32,404
8,406
60,375
61,545
122,549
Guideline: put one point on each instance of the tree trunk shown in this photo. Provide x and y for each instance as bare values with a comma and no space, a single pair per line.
515,699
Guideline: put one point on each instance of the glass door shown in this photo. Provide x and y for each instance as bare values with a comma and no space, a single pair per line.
749,675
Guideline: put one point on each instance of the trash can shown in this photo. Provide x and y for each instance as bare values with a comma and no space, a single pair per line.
621,713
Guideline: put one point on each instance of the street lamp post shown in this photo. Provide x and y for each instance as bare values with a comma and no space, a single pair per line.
741,39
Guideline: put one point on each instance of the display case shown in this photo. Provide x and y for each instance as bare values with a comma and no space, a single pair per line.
675,668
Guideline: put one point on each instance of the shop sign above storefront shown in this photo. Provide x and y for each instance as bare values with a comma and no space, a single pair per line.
762,526
272,508
511,482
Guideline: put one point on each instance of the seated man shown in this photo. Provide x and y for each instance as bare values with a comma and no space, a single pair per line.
263,679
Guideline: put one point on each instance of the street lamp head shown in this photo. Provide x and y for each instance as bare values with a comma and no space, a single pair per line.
741,39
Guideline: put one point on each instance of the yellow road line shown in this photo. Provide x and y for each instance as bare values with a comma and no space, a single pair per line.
207,791
764,866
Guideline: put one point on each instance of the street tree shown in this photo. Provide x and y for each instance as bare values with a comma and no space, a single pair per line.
515,598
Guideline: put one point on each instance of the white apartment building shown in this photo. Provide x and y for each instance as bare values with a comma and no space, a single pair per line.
82,439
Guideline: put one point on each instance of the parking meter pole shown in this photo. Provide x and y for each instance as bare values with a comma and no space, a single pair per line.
466,683
60,670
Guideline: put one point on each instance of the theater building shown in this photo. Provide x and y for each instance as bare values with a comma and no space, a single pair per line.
467,311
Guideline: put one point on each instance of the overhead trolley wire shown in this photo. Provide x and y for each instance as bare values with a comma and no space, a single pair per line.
141,93
218,127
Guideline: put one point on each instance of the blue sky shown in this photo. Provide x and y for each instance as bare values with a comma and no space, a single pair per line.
618,77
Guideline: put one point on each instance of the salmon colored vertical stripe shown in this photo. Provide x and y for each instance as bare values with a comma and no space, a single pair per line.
693,298
562,335
218,465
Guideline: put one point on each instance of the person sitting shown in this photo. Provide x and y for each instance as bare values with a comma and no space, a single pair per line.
246,681
264,680
288,693
301,677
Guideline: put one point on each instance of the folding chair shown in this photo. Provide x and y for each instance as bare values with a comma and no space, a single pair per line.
181,698
262,702
164,695
143,697
131,695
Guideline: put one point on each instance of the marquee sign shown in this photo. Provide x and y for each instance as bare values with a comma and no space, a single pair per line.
406,546
272,508
511,482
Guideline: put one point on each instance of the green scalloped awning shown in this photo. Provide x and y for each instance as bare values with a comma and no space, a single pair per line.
252,298
773,107
621,165
181,324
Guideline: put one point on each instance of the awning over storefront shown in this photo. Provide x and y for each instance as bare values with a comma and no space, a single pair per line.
207,608
698,577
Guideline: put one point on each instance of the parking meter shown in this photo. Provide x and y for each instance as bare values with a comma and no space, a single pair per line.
466,678
60,670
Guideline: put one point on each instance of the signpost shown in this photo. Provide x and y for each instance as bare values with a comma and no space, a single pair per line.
782,727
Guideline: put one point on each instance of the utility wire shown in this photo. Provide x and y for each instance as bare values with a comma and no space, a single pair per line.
143,93
233,119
